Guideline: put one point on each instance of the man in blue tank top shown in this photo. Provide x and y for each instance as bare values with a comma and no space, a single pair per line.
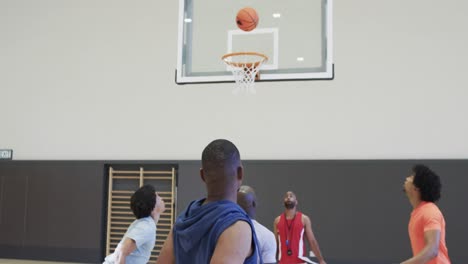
214,230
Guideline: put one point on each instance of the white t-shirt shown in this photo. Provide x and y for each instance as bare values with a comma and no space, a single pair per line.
143,232
266,242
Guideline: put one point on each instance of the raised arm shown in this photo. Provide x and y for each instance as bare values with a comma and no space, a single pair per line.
311,238
234,245
430,250
166,256
128,246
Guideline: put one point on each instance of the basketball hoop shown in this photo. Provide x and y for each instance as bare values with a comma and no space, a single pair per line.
245,68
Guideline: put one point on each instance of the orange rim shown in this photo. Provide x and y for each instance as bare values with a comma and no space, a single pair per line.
262,57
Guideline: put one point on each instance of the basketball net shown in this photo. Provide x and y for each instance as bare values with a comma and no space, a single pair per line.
245,68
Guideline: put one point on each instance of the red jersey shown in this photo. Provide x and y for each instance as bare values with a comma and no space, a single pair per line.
291,239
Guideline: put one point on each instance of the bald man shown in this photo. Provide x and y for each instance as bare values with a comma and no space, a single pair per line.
214,229
247,199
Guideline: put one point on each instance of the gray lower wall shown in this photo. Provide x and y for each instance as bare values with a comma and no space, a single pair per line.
358,210
51,210
55,210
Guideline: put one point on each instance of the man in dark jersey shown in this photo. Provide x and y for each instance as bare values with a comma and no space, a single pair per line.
214,229
291,229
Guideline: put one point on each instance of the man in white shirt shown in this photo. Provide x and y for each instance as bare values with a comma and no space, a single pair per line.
266,239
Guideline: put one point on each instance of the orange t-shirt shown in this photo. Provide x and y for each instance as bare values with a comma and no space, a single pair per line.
427,216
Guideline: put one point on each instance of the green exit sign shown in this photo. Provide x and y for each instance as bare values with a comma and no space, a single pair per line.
6,154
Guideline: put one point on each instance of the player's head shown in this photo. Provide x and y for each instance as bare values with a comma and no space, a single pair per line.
144,201
427,183
290,200
247,200
221,166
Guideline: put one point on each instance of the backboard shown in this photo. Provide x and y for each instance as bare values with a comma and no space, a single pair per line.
296,36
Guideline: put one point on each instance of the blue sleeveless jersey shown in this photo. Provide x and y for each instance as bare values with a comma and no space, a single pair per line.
198,228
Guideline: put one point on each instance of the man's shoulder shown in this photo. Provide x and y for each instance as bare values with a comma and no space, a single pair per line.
277,219
141,228
234,242
259,228
145,222
240,224
305,218
430,206
425,213
236,230
200,206
430,210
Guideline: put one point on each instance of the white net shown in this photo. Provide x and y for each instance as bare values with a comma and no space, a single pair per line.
244,66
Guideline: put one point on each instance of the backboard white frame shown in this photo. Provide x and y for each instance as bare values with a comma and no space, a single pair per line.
328,74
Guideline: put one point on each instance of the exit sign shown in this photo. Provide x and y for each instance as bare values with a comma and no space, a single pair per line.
6,154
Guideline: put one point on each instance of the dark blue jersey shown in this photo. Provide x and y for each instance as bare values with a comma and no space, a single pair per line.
197,230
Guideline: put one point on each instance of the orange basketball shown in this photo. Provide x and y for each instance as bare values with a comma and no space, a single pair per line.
247,19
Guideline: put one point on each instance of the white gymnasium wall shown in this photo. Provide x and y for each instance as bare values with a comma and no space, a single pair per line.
82,79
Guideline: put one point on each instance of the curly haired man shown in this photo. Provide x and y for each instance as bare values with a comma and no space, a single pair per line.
427,224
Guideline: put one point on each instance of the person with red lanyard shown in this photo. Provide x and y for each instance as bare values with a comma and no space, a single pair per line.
291,228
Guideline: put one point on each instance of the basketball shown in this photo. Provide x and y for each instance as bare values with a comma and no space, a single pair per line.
247,19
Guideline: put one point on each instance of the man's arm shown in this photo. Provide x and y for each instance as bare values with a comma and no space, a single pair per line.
311,239
128,246
234,245
166,256
430,251
275,231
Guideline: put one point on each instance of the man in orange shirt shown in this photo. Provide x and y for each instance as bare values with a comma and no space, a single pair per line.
427,224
